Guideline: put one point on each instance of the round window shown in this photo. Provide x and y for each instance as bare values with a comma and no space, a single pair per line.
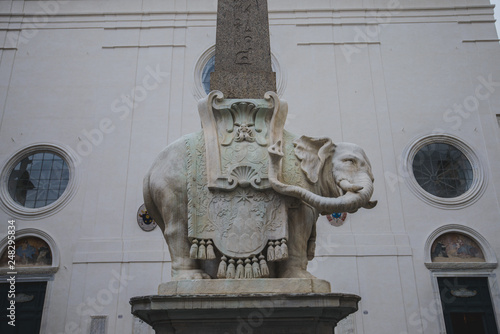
442,170
38,179
205,74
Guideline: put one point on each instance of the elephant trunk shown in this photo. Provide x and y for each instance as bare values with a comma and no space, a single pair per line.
350,202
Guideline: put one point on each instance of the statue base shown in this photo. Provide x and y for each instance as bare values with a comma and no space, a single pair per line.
244,286
240,312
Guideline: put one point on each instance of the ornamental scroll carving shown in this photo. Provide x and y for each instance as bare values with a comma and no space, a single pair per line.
237,133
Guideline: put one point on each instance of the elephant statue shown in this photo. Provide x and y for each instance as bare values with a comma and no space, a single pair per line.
314,176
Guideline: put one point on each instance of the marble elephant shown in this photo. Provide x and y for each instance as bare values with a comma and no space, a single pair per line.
316,175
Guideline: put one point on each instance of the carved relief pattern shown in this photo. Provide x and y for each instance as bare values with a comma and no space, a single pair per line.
239,222
242,133
245,219
196,181
292,173
242,11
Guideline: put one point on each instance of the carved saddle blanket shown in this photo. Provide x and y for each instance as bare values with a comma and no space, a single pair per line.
232,207
240,221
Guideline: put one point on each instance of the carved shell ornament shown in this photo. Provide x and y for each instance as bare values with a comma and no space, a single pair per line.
244,176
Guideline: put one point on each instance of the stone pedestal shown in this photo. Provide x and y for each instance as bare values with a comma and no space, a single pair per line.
242,311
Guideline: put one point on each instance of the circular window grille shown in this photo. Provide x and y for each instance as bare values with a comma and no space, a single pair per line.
444,171
37,181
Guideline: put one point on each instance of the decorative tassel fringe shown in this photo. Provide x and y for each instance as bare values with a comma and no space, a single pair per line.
240,270
284,249
210,250
270,252
244,269
221,273
263,267
231,270
278,254
193,252
256,268
248,269
202,253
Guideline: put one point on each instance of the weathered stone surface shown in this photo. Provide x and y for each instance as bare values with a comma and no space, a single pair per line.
243,52
240,199
256,313
245,286
213,190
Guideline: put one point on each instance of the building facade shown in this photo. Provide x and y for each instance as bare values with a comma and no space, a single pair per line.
92,91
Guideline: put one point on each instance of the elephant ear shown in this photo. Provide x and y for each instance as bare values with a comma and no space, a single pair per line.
313,152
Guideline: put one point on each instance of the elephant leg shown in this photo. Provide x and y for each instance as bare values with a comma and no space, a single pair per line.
301,223
175,232
165,196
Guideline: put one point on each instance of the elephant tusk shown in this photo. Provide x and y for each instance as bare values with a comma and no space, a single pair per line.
370,205
348,186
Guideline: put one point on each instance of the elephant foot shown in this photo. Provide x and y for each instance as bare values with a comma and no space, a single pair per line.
179,275
296,273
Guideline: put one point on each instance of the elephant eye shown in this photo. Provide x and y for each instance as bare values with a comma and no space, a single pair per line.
348,160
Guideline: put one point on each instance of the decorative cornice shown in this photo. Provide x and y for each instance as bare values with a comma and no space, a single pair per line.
460,266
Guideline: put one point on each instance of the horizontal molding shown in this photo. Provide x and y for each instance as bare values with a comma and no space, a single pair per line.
144,46
271,11
366,251
30,271
476,21
297,14
480,40
145,28
333,43
460,266
301,25
7,49
119,257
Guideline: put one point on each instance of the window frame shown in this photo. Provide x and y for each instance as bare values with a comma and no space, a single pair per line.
19,211
476,189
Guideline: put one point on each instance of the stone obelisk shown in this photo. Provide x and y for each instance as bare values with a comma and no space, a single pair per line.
243,52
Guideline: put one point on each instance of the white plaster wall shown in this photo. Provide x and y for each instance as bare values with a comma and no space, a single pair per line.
379,78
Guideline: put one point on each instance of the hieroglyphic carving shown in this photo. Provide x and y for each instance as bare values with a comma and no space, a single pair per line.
243,53
243,12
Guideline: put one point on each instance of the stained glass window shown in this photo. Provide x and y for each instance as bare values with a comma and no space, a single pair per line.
442,170
38,179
